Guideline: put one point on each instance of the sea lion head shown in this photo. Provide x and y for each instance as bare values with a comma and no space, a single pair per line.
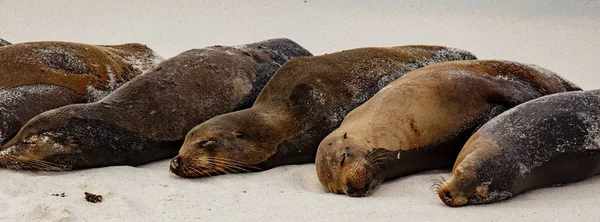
57,140
461,189
347,165
38,150
468,184
225,144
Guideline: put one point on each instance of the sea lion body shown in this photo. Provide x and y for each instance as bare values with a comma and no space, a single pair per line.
148,118
306,99
40,76
548,141
420,121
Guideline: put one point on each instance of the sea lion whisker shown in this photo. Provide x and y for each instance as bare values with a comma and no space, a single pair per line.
205,171
32,166
229,161
215,167
437,184
239,163
229,164
202,170
371,159
379,160
218,169
4,159
50,166
195,172
225,161
376,185
375,155
356,165
199,169
191,171
238,168
185,170
371,155
12,162
226,168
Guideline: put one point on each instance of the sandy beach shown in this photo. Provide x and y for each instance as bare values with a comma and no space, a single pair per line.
559,35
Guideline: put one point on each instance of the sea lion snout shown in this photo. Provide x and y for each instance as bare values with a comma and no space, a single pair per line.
343,166
461,189
175,165
360,191
451,199
189,168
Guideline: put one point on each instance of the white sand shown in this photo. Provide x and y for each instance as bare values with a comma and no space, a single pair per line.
560,35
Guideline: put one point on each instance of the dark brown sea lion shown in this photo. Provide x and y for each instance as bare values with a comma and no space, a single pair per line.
420,121
4,42
548,141
39,76
306,99
148,118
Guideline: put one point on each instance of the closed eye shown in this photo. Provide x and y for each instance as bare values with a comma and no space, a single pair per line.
207,142
346,154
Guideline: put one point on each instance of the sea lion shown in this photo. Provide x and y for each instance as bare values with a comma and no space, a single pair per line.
306,99
148,118
420,121
548,141
4,42
40,76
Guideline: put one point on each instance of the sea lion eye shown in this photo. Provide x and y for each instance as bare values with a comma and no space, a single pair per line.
27,142
346,154
207,142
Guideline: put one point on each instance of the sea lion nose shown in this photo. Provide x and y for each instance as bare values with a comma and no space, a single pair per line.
447,196
176,163
351,190
355,192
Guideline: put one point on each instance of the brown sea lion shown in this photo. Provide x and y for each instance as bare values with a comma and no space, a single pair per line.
420,121
4,42
148,118
306,99
40,76
548,141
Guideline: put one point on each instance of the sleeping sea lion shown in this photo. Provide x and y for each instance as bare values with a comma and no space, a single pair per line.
306,99
148,118
40,76
545,142
420,121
